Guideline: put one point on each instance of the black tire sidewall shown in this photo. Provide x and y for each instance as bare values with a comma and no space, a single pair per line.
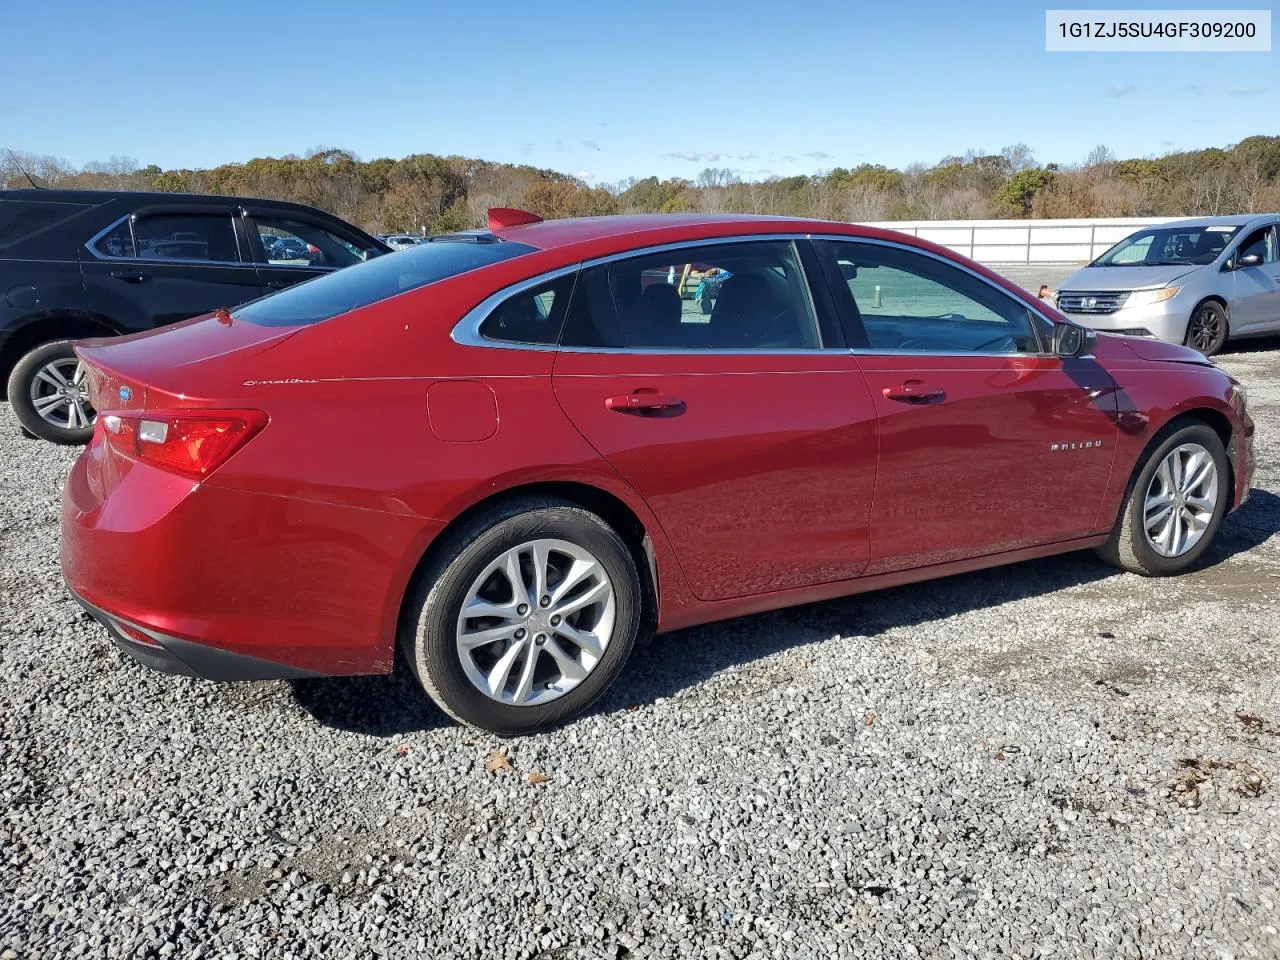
1223,327
1141,548
19,388
431,646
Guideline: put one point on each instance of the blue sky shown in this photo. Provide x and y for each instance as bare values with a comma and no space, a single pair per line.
603,90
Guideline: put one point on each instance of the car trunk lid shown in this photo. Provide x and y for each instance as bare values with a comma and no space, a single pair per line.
184,365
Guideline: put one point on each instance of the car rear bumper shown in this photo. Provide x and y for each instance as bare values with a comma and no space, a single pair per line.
184,658
226,583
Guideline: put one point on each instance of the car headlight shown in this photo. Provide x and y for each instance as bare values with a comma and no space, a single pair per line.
1144,298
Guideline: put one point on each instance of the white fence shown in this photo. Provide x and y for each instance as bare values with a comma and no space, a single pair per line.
1025,241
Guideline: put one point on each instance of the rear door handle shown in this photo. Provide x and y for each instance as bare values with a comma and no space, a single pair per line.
915,391
131,276
643,400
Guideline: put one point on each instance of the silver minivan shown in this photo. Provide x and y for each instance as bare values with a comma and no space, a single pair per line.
1199,282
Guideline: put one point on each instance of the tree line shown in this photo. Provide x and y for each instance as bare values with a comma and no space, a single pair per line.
441,194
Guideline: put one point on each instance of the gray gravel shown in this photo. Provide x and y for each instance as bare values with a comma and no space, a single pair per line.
1047,760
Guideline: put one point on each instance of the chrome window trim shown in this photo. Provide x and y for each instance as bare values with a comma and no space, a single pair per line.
91,246
467,330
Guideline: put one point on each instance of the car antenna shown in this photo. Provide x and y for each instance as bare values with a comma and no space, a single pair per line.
23,170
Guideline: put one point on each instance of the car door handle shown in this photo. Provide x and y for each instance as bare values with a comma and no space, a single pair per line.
915,391
641,401
131,276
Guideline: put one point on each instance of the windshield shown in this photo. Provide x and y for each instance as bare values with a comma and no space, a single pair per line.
1170,246
358,286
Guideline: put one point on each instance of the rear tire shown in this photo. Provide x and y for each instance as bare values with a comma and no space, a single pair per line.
1208,328
1140,543
471,567
49,396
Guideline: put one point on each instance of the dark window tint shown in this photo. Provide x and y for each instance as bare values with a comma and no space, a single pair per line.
735,296
20,219
1261,244
365,283
301,244
534,316
186,237
912,302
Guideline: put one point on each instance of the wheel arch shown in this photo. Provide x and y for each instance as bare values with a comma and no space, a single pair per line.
56,325
1221,301
605,504
1209,414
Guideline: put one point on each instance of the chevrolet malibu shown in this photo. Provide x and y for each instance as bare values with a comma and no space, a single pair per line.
505,453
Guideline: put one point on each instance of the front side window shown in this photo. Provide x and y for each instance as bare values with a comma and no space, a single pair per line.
725,297
296,243
186,237
1169,246
1261,243
913,302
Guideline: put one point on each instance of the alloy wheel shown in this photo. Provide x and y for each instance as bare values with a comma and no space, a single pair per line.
1180,500
535,622
60,394
1206,329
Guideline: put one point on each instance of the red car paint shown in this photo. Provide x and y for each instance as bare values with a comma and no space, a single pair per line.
780,479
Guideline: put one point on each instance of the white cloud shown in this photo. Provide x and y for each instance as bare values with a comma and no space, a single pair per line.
1247,91
1117,91
694,156
584,175
818,155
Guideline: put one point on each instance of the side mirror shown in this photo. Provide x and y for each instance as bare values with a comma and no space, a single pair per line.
371,253
848,270
1070,340
1249,260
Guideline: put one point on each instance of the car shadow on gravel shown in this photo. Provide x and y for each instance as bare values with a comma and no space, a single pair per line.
395,704
685,658
381,706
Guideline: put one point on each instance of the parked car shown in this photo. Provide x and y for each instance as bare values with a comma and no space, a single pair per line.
1199,282
82,263
508,453
402,241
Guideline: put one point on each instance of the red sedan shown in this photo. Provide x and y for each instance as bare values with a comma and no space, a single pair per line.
507,452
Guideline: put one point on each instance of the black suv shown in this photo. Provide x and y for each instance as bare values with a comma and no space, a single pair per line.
92,263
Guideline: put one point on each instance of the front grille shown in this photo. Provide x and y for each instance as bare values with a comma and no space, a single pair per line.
1085,301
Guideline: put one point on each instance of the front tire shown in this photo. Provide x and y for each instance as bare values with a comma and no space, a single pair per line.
49,395
524,617
1208,328
1174,504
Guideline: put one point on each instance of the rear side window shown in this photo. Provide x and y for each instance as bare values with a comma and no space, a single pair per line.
533,317
209,237
374,280
736,296
20,220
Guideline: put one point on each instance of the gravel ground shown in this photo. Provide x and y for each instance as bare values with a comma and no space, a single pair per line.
1051,759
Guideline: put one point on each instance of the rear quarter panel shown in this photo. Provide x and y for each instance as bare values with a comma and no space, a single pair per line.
350,427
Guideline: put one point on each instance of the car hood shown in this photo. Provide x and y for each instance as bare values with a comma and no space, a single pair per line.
1123,278
1116,346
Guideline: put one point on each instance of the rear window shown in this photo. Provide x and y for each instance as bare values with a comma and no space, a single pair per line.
22,219
385,276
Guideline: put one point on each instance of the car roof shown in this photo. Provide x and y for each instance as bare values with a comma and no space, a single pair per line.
1239,220
623,232
98,197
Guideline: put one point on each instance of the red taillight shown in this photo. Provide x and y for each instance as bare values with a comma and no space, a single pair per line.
191,443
